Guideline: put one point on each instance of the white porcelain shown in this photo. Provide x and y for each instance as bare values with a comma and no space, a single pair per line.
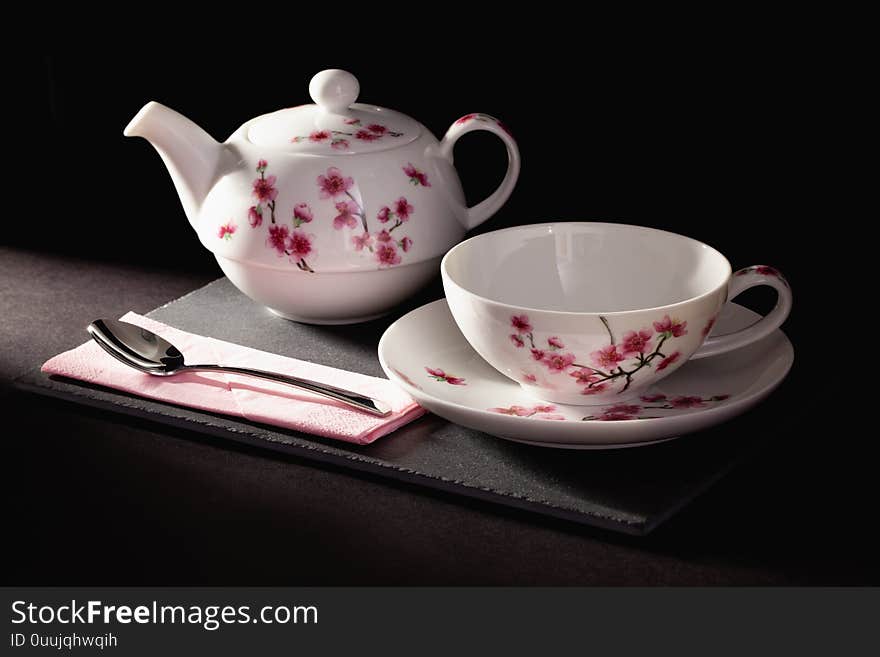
296,202
595,313
464,389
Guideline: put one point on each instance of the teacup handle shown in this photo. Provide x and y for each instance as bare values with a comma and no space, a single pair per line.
740,282
489,206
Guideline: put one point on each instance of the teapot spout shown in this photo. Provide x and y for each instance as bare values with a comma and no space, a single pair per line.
190,154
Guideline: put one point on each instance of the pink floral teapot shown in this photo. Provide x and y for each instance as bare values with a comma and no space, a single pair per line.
325,213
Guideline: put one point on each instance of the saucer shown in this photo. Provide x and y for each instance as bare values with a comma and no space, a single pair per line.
426,354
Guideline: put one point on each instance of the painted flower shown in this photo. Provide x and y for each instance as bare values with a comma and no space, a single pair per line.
299,244
402,208
333,184
264,189
277,239
622,409
416,177
607,358
686,402
255,216
557,362
383,215
517,341
366,135
261,166
386,255
544,408
538,354
636,342
383,236
518,411
615,417
302,214
766,270
376,128
595,389
340,144
365,240
346,217
653,398
555,343
406,244
529,378
319,136
352,121
669,360
226,230
708,327
521,323
584,376
439,375
466,118
672,326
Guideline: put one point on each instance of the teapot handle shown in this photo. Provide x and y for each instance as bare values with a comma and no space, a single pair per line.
489,206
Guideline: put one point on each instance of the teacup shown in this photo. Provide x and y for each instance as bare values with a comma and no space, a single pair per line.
595,313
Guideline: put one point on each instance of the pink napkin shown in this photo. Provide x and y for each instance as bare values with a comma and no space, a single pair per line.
247,397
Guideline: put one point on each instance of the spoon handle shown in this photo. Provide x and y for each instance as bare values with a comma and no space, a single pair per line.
368,404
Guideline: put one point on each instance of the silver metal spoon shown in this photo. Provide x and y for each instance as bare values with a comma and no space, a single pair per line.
145,351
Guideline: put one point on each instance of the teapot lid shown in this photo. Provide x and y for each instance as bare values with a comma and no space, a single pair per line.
335,124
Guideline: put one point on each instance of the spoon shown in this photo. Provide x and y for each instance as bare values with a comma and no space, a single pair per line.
145,351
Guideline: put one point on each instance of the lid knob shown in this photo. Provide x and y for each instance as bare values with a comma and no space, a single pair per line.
334,90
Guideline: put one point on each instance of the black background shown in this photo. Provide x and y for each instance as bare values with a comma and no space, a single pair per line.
704,138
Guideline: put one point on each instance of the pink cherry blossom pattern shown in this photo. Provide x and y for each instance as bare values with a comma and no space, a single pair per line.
352,121
518,411
299,244
340,144
366,135
557,362
406,244
383,215
625,409
766,270
669,360
255,216
439,375
613,417
416,177
302,214
529,378
384,236
555,343
264,189
538,354
595,389
517,341
226,230
320,135
346,217
686,402
277,239
363,241
708,327
377,128
262,165
673,327
584,376
465,119
403,209
650,399
333,183
521,323
636,342
607,358
387,255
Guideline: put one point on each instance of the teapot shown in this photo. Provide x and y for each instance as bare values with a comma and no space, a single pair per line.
330,213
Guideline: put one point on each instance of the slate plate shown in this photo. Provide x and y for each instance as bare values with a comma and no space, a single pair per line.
630,490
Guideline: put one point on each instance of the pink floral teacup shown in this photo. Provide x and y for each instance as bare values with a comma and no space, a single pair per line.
590,313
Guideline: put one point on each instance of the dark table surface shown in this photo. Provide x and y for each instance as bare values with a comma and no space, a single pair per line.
100,499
